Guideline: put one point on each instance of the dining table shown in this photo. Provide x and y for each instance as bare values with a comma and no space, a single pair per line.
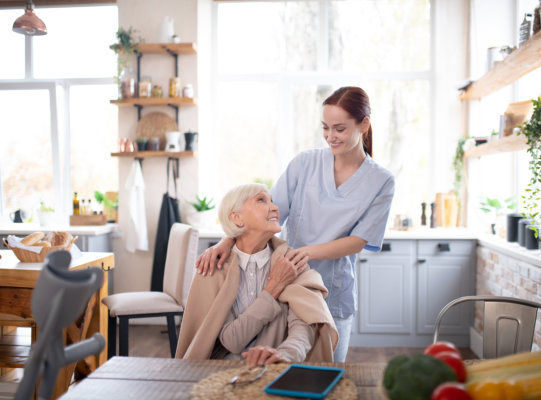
123,378
17,281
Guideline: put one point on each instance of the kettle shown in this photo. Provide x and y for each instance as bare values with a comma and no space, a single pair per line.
17,216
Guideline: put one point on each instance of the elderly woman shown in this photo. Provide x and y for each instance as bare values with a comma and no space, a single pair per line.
260,306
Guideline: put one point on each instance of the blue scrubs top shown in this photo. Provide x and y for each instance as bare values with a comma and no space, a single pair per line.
317,212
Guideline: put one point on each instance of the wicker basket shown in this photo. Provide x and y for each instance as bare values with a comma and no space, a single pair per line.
31,257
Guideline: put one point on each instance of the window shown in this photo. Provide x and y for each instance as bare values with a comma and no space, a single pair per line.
273,71
59,128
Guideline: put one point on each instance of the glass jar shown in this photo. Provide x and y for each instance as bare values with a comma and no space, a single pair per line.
127,84
187,91
145,87
157,91
174,87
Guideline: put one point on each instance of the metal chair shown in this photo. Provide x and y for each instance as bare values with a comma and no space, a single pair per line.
59,298
508,324
178,275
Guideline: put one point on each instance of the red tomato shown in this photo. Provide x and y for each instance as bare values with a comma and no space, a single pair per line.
455,362
438,347
450,391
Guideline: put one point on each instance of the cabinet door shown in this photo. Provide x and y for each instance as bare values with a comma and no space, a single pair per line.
441,279
385,294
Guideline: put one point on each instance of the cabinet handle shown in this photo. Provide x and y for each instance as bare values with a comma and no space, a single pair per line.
363,260
421,261
386,247
444,247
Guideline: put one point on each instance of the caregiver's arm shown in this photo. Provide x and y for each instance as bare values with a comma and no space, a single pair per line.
330,250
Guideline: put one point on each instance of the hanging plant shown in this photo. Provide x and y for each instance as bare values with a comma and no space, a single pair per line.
532,199
126,46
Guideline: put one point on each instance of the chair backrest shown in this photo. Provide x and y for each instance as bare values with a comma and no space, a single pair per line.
180,261
59,298
508,324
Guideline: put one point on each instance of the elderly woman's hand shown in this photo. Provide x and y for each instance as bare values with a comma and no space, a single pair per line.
214,256
260,355
299,257
282,273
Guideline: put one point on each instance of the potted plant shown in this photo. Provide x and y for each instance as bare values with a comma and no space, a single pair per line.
109,207
45,214
189,138
141,143
127,44
530,201
202,213
495,207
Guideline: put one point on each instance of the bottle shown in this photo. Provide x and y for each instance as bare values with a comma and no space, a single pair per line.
82,209
75,204
524,31
90,211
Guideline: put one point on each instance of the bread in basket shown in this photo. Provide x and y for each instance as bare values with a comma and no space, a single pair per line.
54,241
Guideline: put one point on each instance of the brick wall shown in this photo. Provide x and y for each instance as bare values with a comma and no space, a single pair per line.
501,275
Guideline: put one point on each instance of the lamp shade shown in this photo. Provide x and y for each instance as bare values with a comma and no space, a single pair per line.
29,24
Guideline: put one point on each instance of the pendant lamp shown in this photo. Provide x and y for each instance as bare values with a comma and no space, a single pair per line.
29,24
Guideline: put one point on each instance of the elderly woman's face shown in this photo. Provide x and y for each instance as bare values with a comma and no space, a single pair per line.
260,214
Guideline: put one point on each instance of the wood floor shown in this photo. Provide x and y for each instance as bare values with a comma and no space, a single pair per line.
152,341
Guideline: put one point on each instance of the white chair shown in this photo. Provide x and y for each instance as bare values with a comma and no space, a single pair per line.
178,275
508,324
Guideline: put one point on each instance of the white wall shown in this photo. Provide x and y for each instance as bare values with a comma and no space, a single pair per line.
133,271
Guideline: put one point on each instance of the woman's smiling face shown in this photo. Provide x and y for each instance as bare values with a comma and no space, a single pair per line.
260,214
341,131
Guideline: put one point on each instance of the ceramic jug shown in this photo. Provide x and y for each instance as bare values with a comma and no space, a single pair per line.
167,30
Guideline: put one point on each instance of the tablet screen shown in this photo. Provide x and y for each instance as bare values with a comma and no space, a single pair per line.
306,379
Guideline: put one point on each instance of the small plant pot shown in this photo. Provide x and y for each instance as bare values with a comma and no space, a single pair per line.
512,227
530,241
141,146
522,232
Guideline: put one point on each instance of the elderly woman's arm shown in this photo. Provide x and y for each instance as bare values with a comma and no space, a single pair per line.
238,332
299,341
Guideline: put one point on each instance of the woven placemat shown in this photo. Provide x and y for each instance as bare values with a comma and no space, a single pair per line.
155,124
216,386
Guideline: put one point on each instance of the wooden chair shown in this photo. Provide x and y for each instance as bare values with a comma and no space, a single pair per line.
508,324
178,275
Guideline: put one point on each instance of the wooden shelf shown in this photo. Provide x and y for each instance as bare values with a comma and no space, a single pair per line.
503,145
521,61
167,48
150,153
164,48
155,101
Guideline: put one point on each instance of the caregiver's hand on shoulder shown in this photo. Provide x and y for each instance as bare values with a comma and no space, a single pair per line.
282,273
260,355
213,257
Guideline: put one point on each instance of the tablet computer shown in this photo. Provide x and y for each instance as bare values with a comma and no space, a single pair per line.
307,381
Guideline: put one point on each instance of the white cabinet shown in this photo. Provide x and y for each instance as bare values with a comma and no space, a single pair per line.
403,288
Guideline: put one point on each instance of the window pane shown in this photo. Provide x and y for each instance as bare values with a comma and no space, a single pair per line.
400,125
25,153
272,36
94,135
77,43
247,133
12,65
379,35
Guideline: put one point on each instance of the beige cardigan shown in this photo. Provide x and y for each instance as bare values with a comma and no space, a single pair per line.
211,298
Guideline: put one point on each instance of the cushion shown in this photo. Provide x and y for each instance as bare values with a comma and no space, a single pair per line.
135,303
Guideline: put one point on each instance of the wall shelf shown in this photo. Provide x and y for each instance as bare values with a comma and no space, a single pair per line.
503,145
164,48
155,101
150,154
521,61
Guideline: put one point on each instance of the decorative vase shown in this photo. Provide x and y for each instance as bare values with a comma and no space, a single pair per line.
189,138
530,241
521,231
512,227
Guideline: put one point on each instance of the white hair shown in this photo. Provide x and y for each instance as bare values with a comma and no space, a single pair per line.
233,201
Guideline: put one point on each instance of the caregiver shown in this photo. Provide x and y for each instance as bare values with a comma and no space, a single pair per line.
335,202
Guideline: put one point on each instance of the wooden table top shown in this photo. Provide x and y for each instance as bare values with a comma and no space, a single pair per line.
165,378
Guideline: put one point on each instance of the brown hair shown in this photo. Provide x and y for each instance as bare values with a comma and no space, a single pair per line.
356,103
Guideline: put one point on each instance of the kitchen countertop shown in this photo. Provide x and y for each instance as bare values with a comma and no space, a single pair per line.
83,230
